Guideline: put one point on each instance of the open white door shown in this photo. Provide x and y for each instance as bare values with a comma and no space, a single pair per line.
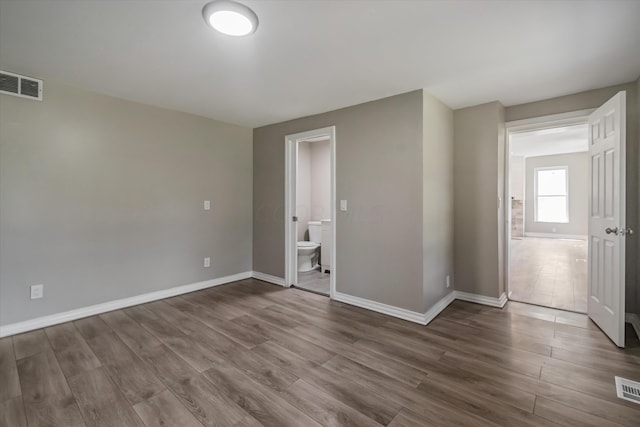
291,215
607,217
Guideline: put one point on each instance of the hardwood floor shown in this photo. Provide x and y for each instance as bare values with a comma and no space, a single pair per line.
250,354
549,272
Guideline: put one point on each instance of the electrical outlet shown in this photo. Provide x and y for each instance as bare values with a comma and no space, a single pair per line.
448,281
207,205
207,262
37,291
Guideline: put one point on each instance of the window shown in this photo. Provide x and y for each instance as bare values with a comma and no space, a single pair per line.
551,202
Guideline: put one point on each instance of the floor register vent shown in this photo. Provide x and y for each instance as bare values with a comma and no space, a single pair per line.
628,390
22,86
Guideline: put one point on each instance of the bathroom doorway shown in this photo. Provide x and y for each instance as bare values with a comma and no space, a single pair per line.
310,211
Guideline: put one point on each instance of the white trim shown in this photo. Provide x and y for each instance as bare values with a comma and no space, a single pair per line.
634,320
268,278
400,313
438,307
551,121
481,299
556,235
92,310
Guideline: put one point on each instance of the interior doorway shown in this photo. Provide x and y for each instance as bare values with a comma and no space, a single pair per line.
310,211
548,184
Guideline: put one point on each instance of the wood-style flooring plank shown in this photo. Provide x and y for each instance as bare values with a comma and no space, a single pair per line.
8,371
323,408
567,416
30,343
72,351
130,332
163,410
101,402
12,413
46,395
132,376
266,407
365,400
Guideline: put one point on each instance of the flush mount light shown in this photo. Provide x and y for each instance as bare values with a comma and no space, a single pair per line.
230,18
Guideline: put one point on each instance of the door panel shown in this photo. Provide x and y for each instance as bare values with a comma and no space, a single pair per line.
607,212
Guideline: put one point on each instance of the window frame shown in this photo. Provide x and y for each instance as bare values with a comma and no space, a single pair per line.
536,195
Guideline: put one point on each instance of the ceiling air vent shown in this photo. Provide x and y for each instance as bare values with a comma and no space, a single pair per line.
22,86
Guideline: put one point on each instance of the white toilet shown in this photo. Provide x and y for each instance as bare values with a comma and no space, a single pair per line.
308,252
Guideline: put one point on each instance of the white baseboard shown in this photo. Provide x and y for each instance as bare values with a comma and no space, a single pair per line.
634,319
401,313
267,278
438,307
556,236
481,299
92,310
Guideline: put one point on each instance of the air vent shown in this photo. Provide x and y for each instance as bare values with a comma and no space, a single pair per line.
628,390
22,86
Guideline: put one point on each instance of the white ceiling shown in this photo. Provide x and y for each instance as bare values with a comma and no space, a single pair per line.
313,56
546,142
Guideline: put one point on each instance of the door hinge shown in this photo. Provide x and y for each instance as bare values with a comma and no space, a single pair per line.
294,219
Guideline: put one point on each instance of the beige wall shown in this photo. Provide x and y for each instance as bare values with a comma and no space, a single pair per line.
593,99
102,199
320,180
437,199
379,170
478,225
578,179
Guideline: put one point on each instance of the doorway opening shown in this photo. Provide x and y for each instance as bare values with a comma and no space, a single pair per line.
310,211
548,247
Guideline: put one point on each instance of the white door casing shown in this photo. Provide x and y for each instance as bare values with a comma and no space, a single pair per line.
607,232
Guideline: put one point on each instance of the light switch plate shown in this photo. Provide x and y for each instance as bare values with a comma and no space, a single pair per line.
343,205
207,205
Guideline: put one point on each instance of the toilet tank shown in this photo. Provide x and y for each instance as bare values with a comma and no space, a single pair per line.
315,231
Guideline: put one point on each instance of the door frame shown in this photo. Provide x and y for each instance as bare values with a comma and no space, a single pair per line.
526,125
290,227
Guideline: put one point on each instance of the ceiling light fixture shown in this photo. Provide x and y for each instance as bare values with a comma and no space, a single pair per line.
230,18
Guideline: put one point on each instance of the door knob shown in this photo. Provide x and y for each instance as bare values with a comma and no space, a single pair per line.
611,230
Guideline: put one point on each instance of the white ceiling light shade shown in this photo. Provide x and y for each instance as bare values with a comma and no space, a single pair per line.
230,18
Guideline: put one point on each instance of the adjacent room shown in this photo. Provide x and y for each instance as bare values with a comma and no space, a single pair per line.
319,213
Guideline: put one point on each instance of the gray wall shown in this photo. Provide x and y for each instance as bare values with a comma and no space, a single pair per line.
437,199
478,150
578,166
379,172
593,99
102,199
320,180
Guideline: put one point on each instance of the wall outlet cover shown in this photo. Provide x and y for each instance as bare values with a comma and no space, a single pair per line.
37,291
207,205
207,262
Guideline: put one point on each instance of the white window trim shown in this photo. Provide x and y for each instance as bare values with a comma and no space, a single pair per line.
535,193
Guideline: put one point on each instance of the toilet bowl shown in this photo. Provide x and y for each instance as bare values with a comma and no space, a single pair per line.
309,252
307,256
